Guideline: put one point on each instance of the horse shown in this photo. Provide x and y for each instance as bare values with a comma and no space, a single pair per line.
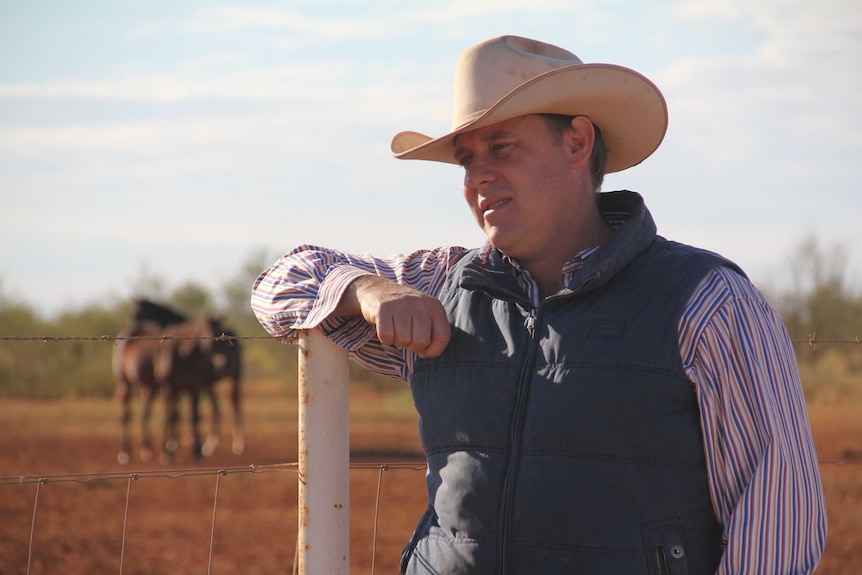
162,351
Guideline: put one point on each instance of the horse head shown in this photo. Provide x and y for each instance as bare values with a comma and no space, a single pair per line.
146,310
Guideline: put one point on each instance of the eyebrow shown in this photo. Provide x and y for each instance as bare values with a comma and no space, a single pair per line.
492,137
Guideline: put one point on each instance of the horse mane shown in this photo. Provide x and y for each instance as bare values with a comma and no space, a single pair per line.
147,311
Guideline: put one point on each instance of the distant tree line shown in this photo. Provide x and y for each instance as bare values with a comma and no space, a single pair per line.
821,303
824,304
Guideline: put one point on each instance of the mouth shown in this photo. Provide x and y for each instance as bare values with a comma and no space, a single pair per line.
495,205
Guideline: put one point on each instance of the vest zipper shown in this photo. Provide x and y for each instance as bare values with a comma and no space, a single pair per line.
661,561
517,431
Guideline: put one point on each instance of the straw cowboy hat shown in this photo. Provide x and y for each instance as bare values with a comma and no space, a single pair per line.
510,76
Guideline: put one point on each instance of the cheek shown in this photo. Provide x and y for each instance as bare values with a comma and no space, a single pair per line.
472,199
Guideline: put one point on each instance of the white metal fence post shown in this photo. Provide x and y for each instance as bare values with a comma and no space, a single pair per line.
324,457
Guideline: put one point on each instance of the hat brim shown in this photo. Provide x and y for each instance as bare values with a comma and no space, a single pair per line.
628,108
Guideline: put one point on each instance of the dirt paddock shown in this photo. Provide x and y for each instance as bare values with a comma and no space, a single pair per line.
174,523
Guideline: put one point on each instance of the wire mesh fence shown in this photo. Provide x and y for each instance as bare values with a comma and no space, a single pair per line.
132,478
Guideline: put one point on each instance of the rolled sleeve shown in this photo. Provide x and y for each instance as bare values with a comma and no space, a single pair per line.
303,288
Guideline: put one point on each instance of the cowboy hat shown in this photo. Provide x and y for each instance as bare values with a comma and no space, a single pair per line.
510,76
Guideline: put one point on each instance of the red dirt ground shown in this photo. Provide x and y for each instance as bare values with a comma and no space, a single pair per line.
79,526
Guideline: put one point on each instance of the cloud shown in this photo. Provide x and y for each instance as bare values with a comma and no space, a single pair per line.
798,85
234,20
346,20
189,83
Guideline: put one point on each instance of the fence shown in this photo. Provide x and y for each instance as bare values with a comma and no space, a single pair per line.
325,554
323,538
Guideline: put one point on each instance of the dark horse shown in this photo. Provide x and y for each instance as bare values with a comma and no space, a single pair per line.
162,351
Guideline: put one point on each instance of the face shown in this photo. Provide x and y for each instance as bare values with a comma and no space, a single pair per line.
527,186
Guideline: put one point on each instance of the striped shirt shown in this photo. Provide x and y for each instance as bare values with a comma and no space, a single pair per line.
762,468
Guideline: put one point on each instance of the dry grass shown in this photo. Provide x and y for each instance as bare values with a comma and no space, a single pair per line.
837,432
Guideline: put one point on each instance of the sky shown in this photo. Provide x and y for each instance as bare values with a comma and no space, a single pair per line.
181,140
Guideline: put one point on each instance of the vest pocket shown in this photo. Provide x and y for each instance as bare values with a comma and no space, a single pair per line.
665,548
421,531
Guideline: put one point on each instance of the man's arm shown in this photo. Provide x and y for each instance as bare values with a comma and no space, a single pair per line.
313,287
762,466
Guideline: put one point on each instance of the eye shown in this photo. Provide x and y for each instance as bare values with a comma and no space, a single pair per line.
500,147
464,161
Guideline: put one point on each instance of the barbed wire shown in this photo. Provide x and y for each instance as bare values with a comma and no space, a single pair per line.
811,340
160,337
827,341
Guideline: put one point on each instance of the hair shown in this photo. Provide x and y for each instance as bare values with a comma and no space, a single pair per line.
559,123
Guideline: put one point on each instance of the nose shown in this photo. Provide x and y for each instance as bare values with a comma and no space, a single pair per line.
478,174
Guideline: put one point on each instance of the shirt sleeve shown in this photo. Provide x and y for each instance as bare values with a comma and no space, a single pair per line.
302,289
761,463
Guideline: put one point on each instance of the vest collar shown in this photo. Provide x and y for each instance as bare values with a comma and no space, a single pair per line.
487,270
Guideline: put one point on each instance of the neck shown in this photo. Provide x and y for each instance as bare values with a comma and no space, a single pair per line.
548,272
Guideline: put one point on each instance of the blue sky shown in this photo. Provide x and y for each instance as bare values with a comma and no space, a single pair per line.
179,139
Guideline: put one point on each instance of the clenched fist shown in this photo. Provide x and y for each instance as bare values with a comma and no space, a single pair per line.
404,317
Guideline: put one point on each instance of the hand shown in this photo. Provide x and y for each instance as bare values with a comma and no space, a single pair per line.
404,317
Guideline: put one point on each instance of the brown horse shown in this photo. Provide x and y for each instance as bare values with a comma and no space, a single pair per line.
162,351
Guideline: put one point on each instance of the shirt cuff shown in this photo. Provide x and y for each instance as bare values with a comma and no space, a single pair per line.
351,333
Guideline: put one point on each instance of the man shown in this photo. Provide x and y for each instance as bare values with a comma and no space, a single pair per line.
593,397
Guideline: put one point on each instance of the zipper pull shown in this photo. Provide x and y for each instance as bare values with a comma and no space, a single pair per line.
530,322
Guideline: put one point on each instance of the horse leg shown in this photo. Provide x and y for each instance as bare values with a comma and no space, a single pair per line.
171,419
146,432
212,441
238,424
196,423
124,392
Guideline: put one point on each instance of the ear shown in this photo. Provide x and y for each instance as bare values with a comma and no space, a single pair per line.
579,141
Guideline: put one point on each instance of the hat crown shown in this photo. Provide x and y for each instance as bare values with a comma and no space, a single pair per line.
486,72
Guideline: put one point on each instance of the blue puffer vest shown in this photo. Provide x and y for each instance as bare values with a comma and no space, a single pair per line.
566,439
